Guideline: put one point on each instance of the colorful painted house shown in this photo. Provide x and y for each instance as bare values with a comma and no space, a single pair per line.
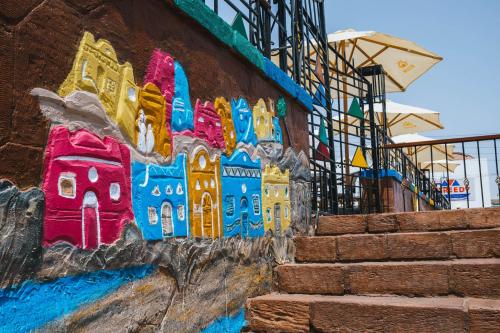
223,109
152,131
243,121
262,121
96,70
241,195
276,199
204,193
160,199
266,125
208,125
160,72
182,111
87,189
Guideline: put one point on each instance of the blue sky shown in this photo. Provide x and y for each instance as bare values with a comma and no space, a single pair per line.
465,86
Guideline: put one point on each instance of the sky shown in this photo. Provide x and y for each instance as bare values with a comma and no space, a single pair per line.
465,86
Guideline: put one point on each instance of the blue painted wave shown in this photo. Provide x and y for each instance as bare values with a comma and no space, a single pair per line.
230,324
33,304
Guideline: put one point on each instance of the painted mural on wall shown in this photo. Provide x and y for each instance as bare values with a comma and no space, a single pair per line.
148,197
215,186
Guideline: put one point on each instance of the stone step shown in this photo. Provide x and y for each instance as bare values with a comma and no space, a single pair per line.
399,246
476,218
464,277
312,313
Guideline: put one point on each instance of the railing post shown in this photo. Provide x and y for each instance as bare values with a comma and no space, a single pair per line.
296,37
282,36
375,146
334,203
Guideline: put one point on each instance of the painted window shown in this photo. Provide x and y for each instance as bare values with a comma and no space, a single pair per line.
230,203
166,219
180,212
67,185
179,189
286,191
286,212
169,190
114,191
256,204
92,175
266,190
269,215
153,217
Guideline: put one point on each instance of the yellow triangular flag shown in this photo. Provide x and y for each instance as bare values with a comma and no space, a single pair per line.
359,160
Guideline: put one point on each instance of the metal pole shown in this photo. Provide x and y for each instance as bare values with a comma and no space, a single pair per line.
374,145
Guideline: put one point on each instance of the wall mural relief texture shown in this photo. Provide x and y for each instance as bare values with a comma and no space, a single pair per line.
140,185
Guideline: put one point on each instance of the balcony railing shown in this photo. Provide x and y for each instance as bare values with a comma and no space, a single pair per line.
464,171
292,34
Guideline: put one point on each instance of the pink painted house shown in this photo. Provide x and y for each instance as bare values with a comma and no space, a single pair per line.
161,72
207,125
87,189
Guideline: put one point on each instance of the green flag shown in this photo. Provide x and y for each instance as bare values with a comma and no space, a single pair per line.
239,26
355,109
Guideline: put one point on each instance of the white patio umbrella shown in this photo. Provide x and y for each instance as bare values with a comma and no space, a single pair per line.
422,153
401,119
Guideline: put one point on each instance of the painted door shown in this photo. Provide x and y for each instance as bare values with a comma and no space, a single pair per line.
90,221
244,217
207,216
166,220
277,219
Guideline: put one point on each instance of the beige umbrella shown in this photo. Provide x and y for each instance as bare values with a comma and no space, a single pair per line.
440,165
423,153
403,60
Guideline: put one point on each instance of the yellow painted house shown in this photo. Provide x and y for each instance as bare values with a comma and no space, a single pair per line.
263,121
96,70
223,109
203,175
276,208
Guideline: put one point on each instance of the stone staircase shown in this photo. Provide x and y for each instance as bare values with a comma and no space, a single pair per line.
433,271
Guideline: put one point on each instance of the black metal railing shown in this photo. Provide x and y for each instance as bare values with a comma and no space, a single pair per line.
292,34
464,171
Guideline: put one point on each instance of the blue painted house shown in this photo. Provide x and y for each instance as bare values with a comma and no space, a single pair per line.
160,199
243,121
182,110
277,132
241,195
